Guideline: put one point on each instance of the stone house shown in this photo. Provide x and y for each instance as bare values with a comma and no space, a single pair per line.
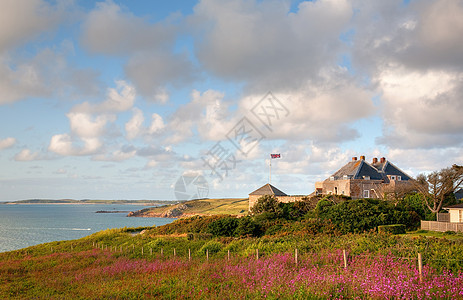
269,189
360,179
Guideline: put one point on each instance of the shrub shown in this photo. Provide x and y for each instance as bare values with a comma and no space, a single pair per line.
267,203
212,247
392,229
247,226
223,227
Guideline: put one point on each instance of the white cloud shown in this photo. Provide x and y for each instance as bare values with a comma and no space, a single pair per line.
64,145
7,143
134,127
263,44
118,99
26,155
36,17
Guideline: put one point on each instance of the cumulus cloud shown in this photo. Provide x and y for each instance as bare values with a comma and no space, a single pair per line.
135,128
23,20
89,122
7,143
26,155
264,44
206,112
110,29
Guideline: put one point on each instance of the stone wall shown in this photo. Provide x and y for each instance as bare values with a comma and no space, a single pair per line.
284,199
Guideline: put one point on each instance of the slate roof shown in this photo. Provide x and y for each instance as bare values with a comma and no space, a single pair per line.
268,189
359,169
454,206
459,194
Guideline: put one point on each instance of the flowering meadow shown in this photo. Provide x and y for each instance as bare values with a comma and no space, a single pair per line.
96,273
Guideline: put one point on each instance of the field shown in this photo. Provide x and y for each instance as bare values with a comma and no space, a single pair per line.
124,264
199,207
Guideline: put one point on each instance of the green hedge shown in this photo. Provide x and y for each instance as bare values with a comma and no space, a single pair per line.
393,229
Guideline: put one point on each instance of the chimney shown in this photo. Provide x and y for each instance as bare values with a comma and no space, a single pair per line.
383,160
354,158
375,160
362,157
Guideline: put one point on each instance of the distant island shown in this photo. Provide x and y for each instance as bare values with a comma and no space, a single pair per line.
90,201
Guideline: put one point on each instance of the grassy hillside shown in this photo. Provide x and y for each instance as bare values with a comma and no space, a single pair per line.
231,206
116,264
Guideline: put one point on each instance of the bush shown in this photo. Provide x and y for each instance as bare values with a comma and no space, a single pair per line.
392,229
267,204
223,227
212,247
247,226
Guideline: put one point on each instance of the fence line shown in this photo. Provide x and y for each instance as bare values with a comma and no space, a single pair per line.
343,262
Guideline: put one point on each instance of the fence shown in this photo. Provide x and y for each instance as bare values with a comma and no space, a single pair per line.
441,226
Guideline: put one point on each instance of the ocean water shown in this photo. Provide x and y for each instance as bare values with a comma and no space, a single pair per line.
26,225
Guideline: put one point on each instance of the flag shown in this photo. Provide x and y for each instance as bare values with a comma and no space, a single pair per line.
275,155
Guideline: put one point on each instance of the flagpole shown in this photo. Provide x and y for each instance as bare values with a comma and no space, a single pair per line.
270,172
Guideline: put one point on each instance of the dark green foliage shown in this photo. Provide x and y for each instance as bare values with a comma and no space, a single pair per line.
267,204
223,227
247,227
364,214
392,229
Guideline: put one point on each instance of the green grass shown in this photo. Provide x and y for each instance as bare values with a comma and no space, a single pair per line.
206,207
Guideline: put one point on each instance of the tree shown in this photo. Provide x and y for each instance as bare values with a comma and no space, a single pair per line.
267,204
438,185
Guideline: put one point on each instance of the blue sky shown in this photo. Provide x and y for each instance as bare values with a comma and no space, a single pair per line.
130,99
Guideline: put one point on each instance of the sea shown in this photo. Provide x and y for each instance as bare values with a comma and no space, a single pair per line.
24,225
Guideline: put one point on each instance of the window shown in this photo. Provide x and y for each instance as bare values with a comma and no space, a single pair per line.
345,177
366,177
392,177
335,190
342,192
461,216
366,194
399,178
331,177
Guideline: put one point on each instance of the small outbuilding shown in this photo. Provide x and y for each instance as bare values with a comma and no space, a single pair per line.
456,213
267,189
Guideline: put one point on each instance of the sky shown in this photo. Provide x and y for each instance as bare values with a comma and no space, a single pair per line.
172,100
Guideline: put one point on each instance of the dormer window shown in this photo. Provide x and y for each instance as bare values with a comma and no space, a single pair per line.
366,177
345,177
331,177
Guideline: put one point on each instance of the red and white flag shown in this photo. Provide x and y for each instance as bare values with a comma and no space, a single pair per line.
275,155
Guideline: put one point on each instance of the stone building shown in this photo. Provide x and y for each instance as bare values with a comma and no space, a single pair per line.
360,179
269,189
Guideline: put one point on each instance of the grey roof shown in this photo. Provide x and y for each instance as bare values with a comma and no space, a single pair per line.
268,189
459,194
359,169
454,206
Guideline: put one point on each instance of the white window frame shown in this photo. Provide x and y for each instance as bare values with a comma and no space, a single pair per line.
331,177
366,177
393,177
399,178
366,193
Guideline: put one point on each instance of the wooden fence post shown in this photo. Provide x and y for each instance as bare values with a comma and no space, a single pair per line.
189,254
420,266
162,252
257,254
295,256
228,254
344,254
141,251
151,251
175,252
207,254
